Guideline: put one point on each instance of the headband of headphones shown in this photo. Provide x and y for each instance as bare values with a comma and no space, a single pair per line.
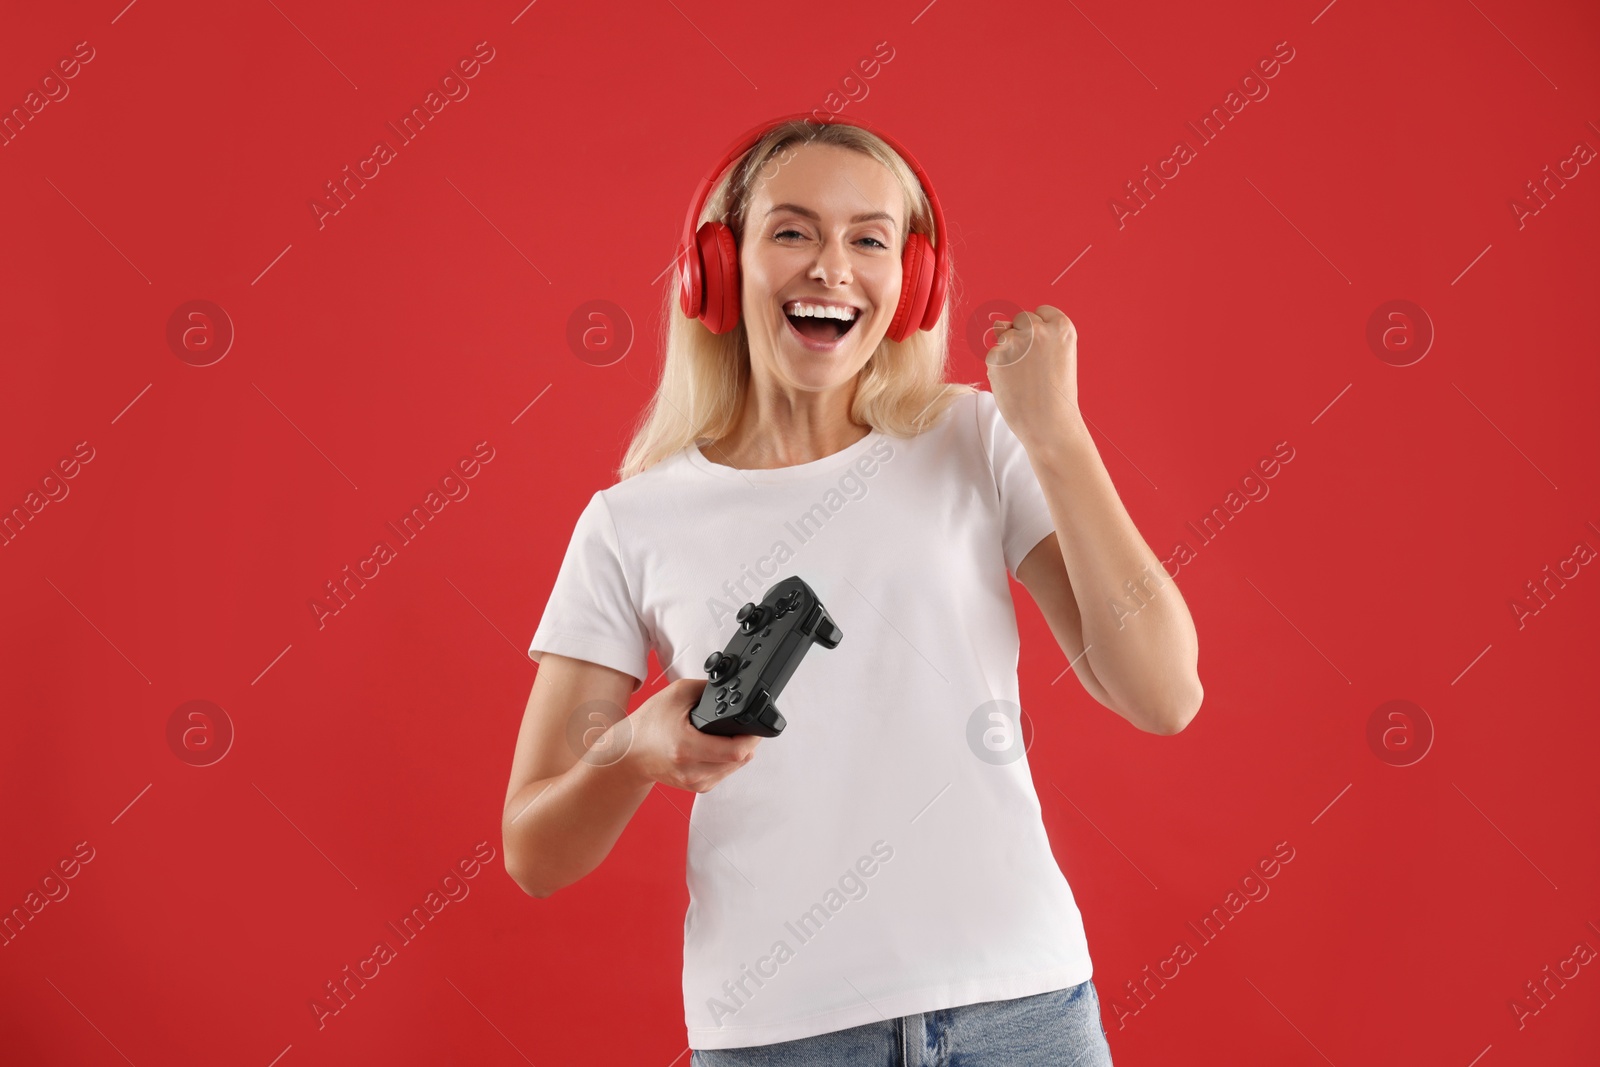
748,141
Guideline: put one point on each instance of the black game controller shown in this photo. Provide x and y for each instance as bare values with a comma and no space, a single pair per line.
746,678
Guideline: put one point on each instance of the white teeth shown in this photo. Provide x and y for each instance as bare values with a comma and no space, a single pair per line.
800,309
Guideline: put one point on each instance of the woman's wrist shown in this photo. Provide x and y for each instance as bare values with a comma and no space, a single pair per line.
1067,439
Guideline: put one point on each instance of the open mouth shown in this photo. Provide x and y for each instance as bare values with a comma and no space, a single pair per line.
823,324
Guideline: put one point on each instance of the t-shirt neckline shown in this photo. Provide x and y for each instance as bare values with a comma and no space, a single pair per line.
772,475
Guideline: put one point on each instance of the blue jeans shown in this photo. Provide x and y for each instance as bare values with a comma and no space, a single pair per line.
1061,1028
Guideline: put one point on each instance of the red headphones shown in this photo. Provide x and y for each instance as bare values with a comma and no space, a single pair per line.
708,272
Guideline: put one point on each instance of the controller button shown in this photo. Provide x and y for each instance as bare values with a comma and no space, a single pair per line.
736,698
755,648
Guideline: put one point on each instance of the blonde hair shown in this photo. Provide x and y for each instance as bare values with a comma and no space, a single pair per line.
900,391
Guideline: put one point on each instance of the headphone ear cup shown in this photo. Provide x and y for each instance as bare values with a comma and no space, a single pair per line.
720,255
691,283
938,283
916,286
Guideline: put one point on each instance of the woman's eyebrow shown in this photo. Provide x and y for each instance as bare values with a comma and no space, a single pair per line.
866,216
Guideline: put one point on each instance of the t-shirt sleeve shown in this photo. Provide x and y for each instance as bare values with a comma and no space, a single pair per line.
591,614
1024,513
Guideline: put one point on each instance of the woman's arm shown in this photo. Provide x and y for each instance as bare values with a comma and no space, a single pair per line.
1090,578
1141,650
1044,574
563,814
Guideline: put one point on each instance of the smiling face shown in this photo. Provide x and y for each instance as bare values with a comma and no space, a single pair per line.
822,236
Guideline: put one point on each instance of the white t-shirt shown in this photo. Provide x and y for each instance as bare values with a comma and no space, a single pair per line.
885,854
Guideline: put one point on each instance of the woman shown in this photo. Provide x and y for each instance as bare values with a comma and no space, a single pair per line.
874,884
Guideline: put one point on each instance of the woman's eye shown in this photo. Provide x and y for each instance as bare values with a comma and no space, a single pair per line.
784,233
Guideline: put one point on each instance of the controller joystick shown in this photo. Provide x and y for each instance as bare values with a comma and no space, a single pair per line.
754,616
719,665
747,677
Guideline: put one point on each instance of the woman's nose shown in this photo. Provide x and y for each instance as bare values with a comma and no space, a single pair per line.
833,262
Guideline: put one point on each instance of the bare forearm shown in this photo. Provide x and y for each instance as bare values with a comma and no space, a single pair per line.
1140,639
556,830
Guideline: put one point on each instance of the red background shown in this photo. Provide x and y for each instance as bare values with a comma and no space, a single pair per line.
370,754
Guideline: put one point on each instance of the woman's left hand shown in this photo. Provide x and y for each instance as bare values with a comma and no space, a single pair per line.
1033,373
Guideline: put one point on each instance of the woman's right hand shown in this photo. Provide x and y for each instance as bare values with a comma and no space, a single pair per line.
662,745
